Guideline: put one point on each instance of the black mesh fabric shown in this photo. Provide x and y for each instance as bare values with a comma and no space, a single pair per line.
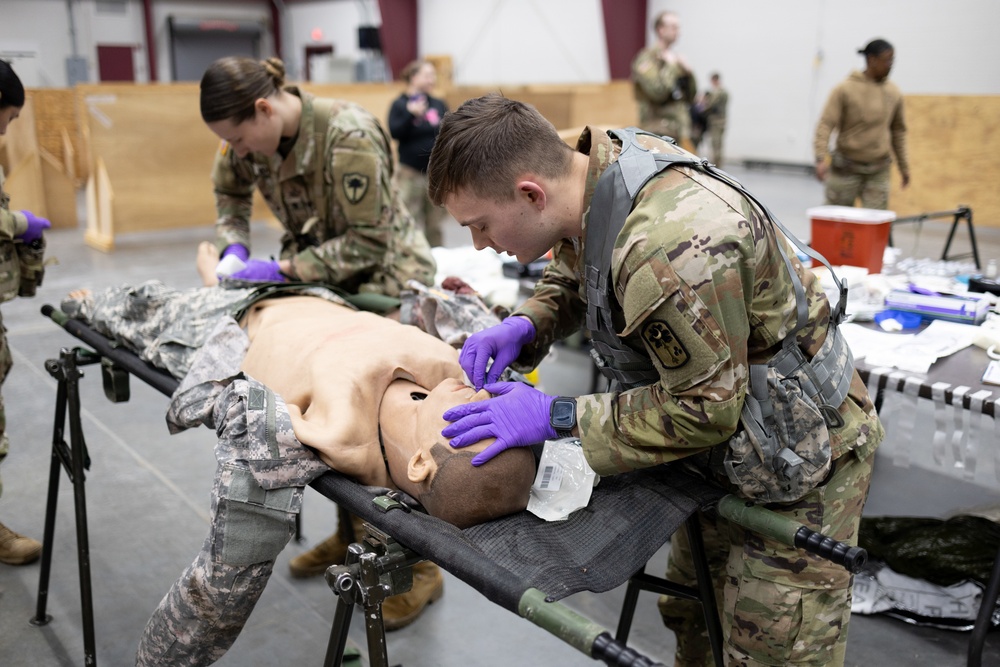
597,548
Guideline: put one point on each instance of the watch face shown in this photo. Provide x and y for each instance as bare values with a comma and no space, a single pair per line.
564,414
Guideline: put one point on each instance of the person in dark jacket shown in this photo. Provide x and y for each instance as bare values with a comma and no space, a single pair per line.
414,119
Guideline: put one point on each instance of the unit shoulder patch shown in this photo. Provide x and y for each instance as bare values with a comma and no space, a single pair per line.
355,186
664,344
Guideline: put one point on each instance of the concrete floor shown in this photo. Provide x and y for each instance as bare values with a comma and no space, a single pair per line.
148,497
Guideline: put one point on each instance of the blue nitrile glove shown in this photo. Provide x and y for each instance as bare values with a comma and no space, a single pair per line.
35,228
237,249
501,343
517,416
262,270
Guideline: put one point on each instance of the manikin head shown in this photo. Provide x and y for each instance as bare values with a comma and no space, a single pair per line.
492,166
11,96
443,479
241,102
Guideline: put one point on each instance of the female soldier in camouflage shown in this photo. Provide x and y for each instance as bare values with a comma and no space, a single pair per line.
325,169
20,244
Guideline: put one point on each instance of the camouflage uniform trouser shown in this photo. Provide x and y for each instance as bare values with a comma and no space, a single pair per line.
778,604
716,128
413,191
6,361
261,472
845,186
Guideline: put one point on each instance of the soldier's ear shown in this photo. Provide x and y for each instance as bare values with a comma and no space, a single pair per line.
264,107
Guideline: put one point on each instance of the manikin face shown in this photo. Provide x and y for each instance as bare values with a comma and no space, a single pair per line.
260,134
517,227
7,115
410,422
410,416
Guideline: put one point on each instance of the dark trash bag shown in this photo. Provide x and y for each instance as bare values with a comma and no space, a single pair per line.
943,552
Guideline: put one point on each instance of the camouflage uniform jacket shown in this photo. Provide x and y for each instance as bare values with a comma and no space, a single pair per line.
697,267
662,91
345,225
716,101
12,224
868,118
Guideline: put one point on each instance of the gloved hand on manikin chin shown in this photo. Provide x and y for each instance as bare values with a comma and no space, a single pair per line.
260,270
501,343
36,226
517,416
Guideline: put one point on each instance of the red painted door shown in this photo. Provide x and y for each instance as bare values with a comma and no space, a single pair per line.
114,63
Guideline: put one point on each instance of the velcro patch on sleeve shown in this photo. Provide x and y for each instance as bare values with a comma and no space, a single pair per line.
356,184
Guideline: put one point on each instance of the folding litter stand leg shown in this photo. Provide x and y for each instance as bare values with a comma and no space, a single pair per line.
75,460
379,567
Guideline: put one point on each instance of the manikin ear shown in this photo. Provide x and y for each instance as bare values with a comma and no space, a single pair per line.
421,467
533,192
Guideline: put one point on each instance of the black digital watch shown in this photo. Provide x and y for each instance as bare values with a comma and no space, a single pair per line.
562,416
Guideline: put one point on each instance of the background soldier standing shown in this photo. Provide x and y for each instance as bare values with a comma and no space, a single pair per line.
714,103
664,84
866,111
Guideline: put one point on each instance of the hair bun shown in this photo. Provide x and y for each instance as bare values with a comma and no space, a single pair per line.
275,69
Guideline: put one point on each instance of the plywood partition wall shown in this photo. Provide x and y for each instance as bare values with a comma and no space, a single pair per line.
954,146
57,124
157,155
565,106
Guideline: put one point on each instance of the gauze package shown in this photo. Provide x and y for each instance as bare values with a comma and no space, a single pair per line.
229,265
564,480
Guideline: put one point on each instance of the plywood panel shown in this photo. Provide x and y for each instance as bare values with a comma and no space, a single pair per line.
60,193
954,146
566,106
157,153
58,127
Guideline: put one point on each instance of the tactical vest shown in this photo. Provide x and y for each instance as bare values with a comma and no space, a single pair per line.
10,272
825,378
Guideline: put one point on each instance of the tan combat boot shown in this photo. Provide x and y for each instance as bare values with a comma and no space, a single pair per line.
331,551
428,586
17,549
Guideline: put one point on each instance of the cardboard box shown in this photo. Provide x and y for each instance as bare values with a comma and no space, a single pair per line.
851,236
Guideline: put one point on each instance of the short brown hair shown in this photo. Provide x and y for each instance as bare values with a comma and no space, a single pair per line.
231,86
662,15
487,143
406,74
464,495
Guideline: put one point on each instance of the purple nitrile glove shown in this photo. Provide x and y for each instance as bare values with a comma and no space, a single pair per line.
35,228
517,416
237,249
501,343
262,270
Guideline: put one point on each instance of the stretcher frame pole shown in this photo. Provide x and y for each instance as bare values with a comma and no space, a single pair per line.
579,632
75,460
